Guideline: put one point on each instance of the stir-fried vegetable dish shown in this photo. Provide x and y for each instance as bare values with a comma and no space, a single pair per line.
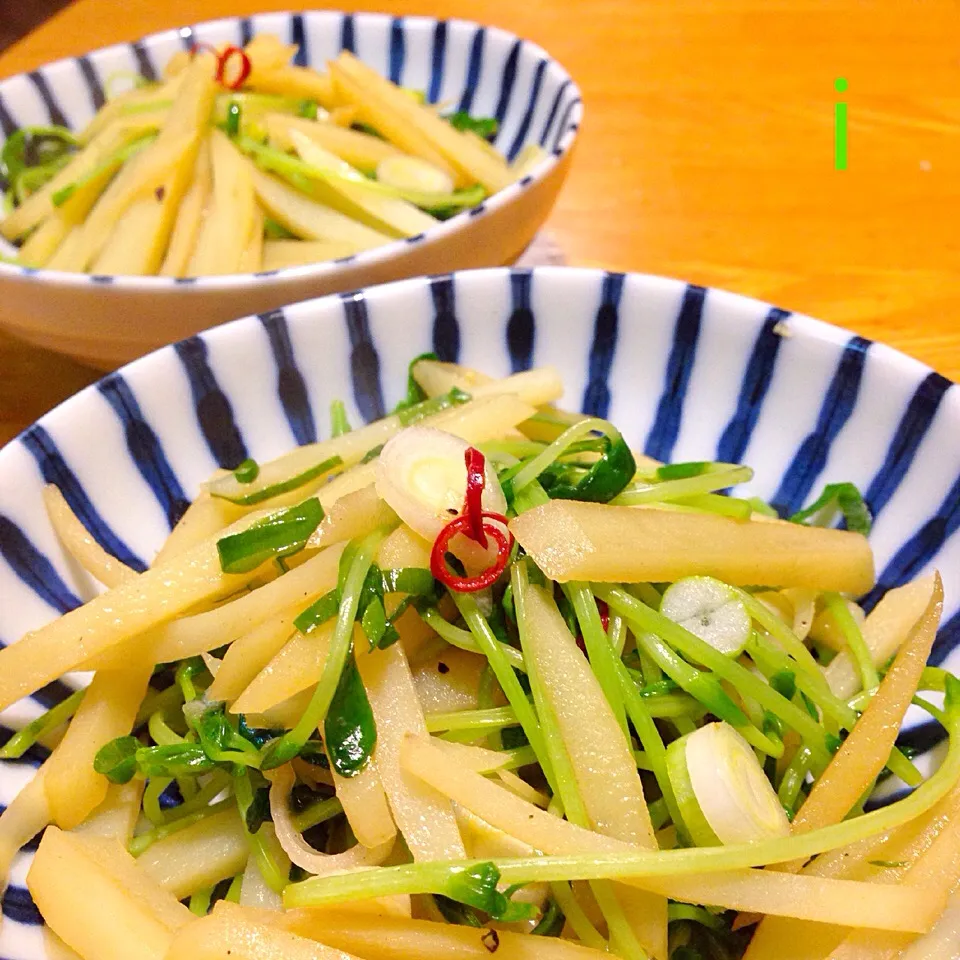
239,161
478,678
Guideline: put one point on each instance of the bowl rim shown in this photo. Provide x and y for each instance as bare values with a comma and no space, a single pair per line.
569,122
801,324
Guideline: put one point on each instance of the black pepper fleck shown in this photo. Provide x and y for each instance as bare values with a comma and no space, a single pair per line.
491,940
443,668
160,193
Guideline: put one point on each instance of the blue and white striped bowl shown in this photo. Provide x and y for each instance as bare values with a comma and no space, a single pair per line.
686,373
108,320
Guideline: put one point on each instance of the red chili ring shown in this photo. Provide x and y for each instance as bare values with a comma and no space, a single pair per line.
472,503
461,524
222,61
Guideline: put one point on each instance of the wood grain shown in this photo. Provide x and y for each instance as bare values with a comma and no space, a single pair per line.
706,153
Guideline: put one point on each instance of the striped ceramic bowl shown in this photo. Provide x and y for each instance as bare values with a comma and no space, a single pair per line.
107,320
686,373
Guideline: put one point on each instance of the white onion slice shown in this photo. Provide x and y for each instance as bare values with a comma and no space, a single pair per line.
710,610
298,850
734,795
421,474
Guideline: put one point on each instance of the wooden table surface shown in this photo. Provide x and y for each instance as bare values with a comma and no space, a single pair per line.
707,152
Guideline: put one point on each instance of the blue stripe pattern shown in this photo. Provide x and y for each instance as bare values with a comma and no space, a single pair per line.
299,36
7,124
97,98
686,332
562,127
49,101
347,39
473,71
398,50
948,639
34,569
552,115
145,448
290,383
446,330
19,907
437,61
364,360
49,695
838,404
507,82
521,325
524,129
596,396
246,31
55,470
911,430
145,65
920,549
214,413
753,390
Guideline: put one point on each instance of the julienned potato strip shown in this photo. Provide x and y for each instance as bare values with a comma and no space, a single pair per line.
240,162
587,803
570,540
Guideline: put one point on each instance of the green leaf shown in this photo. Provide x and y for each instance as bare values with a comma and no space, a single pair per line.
258,812
308,109
258,736
457,913
476,886
117,760
374,622
34,146
349,730
785,683
604,479
415,393
319,612
220,741
280,535
842,497
174,760
551,922
278,752
416,580
485,127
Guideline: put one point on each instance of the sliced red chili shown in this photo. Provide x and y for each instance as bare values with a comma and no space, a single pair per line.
472,503
486,578
243,71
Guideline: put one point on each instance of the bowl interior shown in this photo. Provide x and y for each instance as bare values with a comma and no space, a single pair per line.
686,373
